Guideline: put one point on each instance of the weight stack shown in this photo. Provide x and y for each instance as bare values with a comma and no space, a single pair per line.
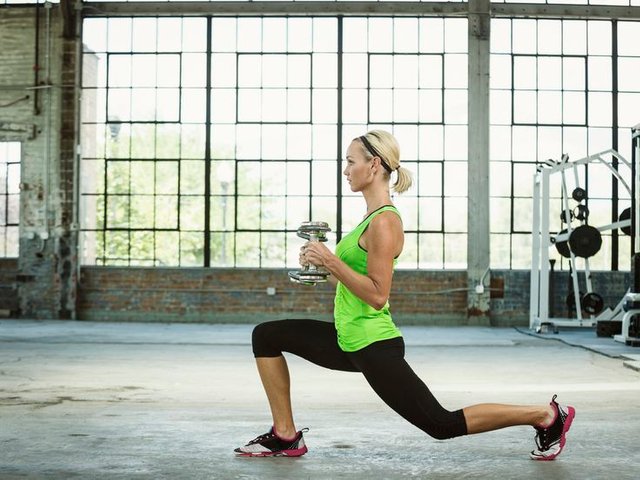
635,273
608,328
634,330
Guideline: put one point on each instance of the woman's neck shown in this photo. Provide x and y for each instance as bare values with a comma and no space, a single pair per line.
375,200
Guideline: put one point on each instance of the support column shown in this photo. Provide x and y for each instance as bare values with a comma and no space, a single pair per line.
478,258
67,233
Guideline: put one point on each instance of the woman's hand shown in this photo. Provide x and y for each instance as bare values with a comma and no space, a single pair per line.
302,257
315,253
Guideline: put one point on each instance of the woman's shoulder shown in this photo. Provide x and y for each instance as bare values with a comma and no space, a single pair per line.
388,218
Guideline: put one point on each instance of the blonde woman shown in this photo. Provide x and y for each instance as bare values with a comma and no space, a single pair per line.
364,338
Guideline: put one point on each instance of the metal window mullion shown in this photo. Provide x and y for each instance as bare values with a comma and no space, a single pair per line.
128,229
339,126
442,122
368,81
207,153
6,198
128,160
442,88
155,159
286,139
615,244
236,162
512,200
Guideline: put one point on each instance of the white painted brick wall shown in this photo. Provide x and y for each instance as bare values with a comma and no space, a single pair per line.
17,74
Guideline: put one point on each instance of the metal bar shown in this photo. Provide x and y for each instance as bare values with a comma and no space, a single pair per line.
207,157
574,272
251,8
596,156
544,248
331,8
574,12
534,297
615,243
611,226
587,276
339,135
635,208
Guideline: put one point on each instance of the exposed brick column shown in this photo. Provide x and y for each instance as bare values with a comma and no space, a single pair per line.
36,53
67,241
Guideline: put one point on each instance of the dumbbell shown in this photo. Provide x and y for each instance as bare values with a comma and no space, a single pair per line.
311,274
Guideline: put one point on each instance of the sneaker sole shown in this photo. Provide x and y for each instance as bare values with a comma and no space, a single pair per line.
298,452
571,413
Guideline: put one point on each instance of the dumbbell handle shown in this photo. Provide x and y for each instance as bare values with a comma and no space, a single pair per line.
312,232
313,237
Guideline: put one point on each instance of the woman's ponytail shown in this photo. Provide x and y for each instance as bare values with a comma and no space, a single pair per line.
404,181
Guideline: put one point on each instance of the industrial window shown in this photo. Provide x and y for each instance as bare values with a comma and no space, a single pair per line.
9,198
208,140
558,86
409,76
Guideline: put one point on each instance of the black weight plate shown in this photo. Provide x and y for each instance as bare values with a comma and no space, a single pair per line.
585,241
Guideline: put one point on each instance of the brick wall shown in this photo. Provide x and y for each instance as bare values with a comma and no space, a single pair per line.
37,72
510,301
240,295
8,288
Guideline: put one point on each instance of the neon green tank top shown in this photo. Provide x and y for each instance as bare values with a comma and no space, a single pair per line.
359,324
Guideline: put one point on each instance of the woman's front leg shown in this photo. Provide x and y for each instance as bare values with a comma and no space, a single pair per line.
274,374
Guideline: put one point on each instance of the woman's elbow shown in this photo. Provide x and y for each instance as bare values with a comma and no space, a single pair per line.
378,302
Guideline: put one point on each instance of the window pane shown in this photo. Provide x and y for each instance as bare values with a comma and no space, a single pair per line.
273,250
191,251
500,251
455,251
430,218
431,251
250,208
166,212
192,213
10,157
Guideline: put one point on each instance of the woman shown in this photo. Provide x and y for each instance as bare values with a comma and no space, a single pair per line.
364,338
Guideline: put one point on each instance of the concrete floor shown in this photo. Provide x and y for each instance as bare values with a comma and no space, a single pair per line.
154,401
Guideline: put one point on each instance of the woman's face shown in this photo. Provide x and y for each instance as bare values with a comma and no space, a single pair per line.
358,170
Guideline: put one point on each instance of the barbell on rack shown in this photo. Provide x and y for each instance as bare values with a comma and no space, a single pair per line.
591,302
584,241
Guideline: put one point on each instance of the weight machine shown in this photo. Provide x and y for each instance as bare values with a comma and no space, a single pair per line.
630,334
576,243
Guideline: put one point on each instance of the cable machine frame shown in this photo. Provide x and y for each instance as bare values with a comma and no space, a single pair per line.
543,239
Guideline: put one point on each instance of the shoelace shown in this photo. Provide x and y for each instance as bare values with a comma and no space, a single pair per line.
542,434
260,438
270,434
542,439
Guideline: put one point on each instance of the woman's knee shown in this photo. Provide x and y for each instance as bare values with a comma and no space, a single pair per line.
446,425
262,340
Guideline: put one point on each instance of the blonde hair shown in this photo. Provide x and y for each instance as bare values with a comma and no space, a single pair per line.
385,146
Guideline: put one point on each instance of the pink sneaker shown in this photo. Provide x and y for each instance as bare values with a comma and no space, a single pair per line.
271,445
551,440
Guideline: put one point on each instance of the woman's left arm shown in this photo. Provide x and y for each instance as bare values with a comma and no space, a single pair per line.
384,240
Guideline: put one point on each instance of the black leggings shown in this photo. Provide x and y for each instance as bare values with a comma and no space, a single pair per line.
382,364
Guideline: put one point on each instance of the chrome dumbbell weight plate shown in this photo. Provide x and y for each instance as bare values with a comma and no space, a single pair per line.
314,231
311,274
